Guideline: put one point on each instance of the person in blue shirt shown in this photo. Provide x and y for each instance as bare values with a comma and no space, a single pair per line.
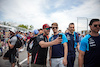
58,53
89,51
73,42
39,54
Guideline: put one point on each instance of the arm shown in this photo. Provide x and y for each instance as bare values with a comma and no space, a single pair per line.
13,42
50,52
54,42
10,45
65,53
81,58
78,46
30,40
27,40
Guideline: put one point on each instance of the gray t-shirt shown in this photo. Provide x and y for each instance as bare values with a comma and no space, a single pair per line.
13,40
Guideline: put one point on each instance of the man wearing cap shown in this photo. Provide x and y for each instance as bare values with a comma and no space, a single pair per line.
89,51
31,43
39,58
28,38
12,49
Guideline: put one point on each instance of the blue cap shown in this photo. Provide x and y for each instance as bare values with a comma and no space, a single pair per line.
36,31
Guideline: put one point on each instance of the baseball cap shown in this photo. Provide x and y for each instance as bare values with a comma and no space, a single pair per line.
36,31
12,30
46,26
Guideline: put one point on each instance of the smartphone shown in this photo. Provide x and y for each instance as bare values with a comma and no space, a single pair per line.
60,36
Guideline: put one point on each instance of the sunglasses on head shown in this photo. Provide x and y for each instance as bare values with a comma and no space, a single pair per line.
47,28
54,27
96,25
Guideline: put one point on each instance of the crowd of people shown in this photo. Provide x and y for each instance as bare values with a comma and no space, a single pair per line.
63,46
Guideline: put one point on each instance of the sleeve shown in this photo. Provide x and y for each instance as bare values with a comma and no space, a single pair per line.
83,45
64,38
50,39
31,40
40,38
77,38
13,40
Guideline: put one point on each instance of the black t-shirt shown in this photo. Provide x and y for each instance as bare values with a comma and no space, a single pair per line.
40,56
92,57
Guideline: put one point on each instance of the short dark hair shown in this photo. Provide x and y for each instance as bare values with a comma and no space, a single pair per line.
56,24
93,20
71,24
59,30
40,29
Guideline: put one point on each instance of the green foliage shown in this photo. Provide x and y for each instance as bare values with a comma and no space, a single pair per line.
31,27
26,26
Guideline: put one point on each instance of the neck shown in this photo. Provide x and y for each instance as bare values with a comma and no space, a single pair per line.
44,34
71,33
56,33
94,34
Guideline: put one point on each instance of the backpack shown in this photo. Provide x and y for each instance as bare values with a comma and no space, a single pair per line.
18,43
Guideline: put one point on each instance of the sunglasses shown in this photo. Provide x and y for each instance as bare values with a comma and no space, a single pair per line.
96,25
54,27
47,28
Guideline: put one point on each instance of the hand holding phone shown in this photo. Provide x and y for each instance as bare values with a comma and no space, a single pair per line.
60,36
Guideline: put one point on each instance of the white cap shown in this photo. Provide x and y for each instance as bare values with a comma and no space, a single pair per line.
13,30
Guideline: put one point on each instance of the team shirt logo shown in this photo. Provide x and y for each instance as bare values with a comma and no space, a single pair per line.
41,36
68,37
92,42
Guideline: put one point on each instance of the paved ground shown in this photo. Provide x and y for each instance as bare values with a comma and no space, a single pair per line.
23,60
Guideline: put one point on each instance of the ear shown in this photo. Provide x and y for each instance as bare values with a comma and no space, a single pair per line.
90,25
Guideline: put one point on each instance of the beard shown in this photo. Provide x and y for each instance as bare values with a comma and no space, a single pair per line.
95,31
46,33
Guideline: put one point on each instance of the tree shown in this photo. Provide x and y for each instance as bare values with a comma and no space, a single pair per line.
31,27
23,26
26,26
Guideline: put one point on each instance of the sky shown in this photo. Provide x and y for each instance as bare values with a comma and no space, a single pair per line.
39,12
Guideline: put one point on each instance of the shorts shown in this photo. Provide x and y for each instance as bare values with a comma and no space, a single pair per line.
57,62
7,54
12,58
37,65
